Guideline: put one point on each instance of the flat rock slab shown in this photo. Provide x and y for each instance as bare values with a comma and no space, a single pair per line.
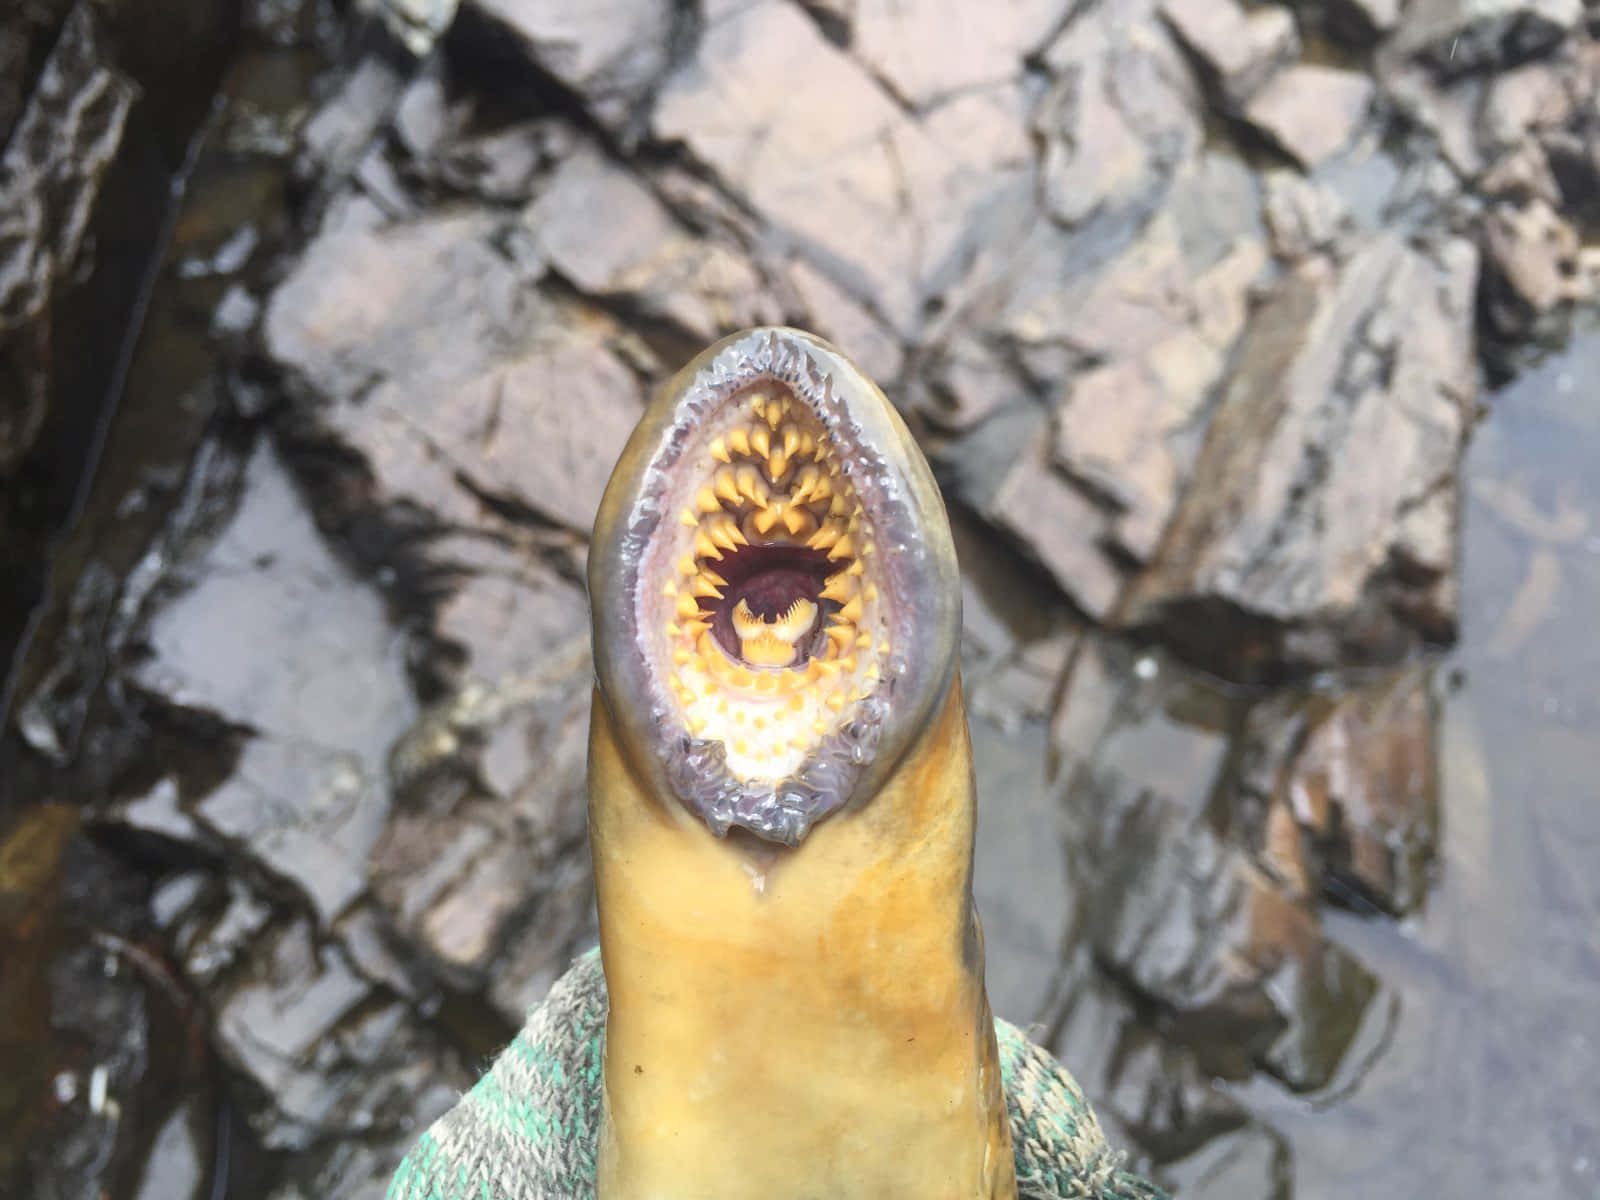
1311,112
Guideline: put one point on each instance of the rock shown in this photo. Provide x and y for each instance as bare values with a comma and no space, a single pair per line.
1238,51
931,51
1182,917
1305,217
1455,37
275,637
646,258
1120,122
328,1057
487,847
1532,269
1362,22
1048,516
612,54
1327,555
1310,112
1251,1163
382,323
51,171
891,208
1353,777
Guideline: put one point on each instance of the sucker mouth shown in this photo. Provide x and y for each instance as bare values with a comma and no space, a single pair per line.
772,572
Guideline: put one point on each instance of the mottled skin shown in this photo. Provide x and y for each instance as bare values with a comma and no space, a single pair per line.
805,1021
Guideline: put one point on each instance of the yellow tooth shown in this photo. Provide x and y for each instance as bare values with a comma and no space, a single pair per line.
758,404
714,577
724,531
761,441
703,546
739,439
838,588
841,636
819,727
745,623
689,518
883,647
867,548
870,675
835,702
826,536
843,548
856,567
808,445
777,464
776,411
838,506
799,522
705,588
706,500
766,681
669,588
797,703
870,592
719,450
686,565
791,440
726,484
682,657
803,483
852,611
751,485
687,606
864,641
764,519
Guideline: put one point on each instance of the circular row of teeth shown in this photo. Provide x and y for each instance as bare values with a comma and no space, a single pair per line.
773,482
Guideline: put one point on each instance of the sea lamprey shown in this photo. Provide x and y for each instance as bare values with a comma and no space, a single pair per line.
781,801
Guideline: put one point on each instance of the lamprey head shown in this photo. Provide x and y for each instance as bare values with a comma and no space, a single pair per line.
776,603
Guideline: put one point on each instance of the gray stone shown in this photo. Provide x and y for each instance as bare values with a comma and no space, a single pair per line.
932,50
612,53
1531,269
1455,37
51,171
645,257
1377,355
383,323
1239,50
1305,217
888,206
317,679
1311,112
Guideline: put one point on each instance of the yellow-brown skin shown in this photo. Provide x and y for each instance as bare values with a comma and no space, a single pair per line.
805,1023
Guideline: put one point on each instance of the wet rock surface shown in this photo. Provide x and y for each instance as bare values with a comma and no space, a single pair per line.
1191,308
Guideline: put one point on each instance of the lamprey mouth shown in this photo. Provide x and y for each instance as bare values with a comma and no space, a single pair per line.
774,586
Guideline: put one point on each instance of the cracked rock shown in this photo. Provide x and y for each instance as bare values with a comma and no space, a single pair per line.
1329,556
612,54
1311,112
1456,37
1239,51
1346,788
892,207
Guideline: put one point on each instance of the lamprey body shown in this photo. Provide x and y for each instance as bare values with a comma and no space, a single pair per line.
781,813
781,801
